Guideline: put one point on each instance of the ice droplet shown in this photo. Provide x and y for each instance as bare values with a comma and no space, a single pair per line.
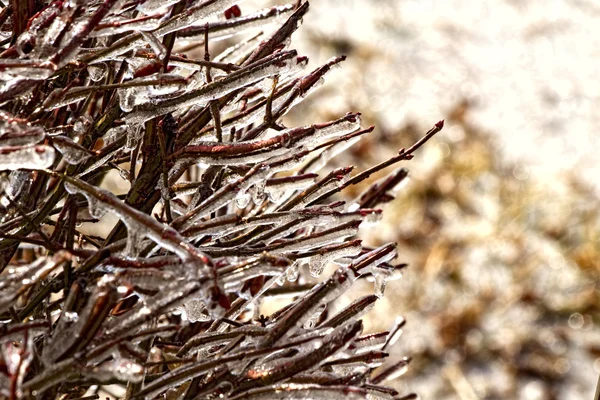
242,199
126,99
293,272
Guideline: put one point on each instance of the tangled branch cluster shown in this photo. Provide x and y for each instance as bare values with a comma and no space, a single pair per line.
224,210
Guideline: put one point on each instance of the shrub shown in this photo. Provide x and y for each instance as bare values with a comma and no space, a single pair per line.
223,211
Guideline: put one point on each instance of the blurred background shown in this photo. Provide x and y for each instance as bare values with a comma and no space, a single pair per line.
499,222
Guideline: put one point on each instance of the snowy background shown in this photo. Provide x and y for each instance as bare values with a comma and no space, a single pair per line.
499,223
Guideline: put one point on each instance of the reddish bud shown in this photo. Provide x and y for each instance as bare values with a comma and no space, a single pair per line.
439,124
233,12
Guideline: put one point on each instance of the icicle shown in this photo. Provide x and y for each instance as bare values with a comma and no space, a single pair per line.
381,276
30,157
293,272
134,135
96,208
195,310
318,262
312,322
127,99
242,199
115,134
97,71
81,125
135,243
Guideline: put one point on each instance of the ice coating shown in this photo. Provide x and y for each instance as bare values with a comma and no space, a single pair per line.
99,200
318,262
15,134
156,45
27,275
263,20
196,15
58,98
70,330
72,152
151,6
330,153
26,157
118,368
277,190
122,25
18,184
283,63
156,304
352,312
195,310
16,69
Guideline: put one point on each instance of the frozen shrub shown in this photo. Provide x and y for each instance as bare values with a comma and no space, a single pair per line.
224,209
